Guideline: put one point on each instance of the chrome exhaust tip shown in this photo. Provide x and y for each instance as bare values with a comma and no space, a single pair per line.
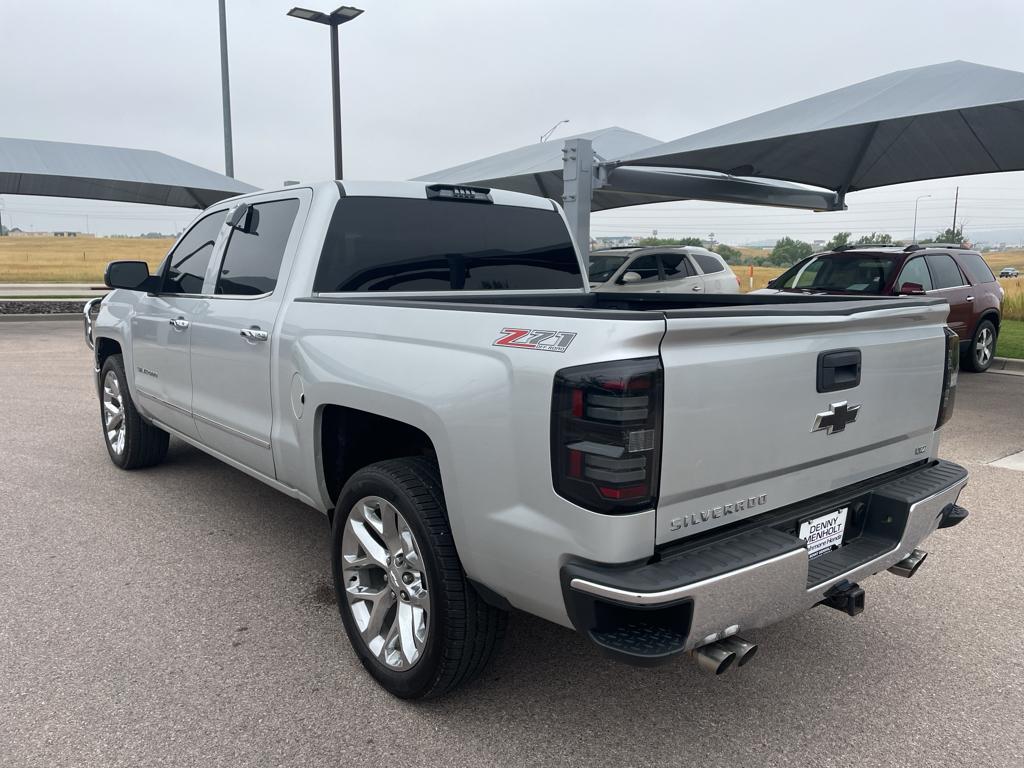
713,658
743,649
908,566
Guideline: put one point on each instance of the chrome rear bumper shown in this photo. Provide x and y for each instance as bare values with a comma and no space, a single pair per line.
701,596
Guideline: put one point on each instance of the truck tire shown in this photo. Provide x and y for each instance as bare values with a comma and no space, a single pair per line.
983,347
416,623
131,441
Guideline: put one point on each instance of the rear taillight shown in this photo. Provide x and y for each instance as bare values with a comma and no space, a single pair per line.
606,434
950,373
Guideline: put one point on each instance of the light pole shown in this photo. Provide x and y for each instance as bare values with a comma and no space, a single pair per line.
334,19
919,199
547,134
225,91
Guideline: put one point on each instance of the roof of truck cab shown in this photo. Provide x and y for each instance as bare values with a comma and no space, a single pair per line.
415,190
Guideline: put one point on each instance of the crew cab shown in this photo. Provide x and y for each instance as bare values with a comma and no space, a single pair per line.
427,366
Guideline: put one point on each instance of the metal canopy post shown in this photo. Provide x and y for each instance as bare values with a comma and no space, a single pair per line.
577,188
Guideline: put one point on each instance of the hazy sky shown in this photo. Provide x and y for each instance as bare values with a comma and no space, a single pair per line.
427,84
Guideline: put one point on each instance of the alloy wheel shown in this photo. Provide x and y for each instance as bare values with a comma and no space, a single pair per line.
385,582
113,413
983,346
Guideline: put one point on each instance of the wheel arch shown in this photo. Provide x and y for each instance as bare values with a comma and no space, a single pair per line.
106,347
992,316
350,439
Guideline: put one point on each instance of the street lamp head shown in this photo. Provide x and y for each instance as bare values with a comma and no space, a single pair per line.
335,18
344,13
307,15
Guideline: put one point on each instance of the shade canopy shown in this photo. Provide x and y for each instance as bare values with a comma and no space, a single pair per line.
536,169
58,169
950,119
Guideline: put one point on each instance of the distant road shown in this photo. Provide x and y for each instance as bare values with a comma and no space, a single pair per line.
19,290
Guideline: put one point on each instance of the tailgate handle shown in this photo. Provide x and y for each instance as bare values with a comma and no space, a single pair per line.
838,369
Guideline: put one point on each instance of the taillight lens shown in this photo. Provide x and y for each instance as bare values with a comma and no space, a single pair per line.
951,372
606,434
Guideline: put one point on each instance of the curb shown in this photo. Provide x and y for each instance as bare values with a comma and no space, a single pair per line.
31,318
1007,365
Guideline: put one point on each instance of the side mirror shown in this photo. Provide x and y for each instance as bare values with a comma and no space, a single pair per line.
130,275
773,282
630,277
911,289
236,218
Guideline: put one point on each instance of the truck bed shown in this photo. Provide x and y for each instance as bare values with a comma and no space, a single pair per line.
635,306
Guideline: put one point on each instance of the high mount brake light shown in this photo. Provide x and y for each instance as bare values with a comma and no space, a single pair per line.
606,434
950,374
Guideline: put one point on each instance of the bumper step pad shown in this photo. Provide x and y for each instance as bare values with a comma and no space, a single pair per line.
641,641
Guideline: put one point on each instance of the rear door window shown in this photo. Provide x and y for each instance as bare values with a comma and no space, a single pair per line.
185,268
915,271
945,272
646,267
252,260
677,266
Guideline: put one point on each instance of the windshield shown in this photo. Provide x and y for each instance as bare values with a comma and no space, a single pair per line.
603,267
846,273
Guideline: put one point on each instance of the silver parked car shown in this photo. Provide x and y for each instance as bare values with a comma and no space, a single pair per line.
672,269
1009,272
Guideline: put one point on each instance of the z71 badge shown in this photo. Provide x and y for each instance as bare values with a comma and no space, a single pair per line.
524,338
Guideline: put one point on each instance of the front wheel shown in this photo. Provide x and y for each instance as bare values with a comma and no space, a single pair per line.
983,347
416,623
131,442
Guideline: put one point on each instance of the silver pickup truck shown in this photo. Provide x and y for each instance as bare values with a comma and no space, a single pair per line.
426,365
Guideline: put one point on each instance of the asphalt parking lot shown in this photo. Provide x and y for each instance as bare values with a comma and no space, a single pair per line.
182,616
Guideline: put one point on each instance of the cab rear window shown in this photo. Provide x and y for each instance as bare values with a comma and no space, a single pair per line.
397,244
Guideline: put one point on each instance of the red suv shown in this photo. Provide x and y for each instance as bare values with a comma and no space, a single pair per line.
960,276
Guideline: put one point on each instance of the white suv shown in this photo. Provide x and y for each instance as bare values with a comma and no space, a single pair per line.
661,269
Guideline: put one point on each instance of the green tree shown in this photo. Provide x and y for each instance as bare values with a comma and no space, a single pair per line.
672,241
730,254
948,235
839,239
875,238
788,251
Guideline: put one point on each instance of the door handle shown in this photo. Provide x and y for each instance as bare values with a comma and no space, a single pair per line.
695,288
178,323
254,334
970,298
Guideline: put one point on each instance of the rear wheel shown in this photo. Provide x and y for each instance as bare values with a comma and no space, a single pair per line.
983,347
417,625
131,442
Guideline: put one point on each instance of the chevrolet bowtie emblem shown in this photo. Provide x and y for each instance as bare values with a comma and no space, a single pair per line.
836,418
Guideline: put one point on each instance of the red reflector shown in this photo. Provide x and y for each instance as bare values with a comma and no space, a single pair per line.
629,492
621,385
575,464
577,403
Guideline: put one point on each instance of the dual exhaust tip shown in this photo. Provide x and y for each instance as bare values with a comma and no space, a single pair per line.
720,656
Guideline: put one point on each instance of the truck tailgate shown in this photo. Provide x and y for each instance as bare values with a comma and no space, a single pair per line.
742,402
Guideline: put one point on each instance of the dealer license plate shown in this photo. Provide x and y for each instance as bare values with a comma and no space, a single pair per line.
824,533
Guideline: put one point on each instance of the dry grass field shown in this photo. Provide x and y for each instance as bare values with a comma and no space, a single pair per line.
62,260
71,260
